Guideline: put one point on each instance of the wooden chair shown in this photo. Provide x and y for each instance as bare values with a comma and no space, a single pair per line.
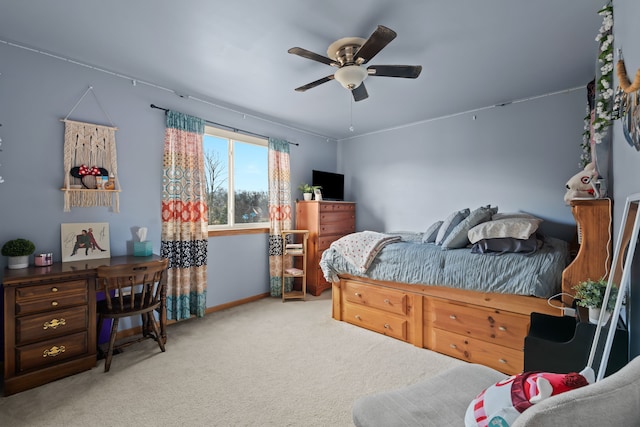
131,290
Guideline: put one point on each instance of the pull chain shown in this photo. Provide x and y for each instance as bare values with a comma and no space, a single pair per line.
351,113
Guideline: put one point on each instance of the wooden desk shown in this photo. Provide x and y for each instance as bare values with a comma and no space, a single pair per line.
50,321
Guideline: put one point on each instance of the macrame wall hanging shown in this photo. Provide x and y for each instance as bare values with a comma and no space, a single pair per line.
90,163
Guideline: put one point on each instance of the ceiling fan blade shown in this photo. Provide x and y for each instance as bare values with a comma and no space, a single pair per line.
311,55
407,71
381,37
360,93
314,84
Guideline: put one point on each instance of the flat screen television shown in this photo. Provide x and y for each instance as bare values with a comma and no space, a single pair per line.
332,184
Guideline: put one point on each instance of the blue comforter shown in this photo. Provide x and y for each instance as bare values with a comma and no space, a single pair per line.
410,261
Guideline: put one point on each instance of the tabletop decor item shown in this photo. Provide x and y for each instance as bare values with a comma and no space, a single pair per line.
18,251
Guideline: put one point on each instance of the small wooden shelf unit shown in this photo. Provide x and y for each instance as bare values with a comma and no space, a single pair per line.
294,263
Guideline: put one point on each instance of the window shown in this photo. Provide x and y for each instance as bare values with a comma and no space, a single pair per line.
236,170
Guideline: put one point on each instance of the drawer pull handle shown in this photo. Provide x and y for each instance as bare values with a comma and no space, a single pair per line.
358,317
386,301
502,328
452,317
386,326
54,351
54,323
453,346
54,303
502,361
358,294
54,289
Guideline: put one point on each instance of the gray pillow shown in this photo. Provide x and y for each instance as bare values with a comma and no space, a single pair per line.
431,233
458,237
450,223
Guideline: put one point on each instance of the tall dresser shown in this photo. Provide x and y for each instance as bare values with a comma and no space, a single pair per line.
326,221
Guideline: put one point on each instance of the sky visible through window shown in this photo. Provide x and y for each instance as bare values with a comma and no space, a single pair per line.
251,172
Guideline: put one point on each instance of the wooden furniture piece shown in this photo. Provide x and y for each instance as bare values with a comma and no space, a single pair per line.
479,327
294,262
50,321
326,221
593,259
132,290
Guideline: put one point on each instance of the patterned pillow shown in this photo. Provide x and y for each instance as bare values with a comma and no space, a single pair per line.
458,237
516,228
450,223
431,233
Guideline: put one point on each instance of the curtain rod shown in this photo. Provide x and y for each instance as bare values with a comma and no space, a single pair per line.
225,126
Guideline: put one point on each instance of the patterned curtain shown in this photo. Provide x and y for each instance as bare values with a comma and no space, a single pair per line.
184,216
279,211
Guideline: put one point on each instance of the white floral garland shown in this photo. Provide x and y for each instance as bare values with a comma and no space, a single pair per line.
604,90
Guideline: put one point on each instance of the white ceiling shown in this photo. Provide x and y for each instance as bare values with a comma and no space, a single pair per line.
474,53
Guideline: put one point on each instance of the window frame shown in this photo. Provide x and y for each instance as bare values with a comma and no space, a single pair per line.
235,228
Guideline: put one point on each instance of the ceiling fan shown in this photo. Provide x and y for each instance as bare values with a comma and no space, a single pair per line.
349,54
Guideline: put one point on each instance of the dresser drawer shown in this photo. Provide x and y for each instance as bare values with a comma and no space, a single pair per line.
52,303
337,207
387,300
336,229
489,325
51,351
503,359
381,322
50,290
51,324
346,218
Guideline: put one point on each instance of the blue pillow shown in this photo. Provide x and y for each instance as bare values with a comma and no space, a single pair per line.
458,237
431,233
450,223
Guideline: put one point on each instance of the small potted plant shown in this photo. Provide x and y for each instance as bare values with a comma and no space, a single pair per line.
590,294
18,251
307,190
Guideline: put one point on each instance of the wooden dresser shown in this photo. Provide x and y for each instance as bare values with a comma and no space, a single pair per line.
326,221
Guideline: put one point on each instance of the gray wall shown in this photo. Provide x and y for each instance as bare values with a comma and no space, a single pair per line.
36,91
626,160
517,157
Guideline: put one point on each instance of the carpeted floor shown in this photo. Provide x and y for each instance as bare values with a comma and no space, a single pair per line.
266,363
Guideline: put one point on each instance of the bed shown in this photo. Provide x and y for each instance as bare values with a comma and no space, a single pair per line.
472,306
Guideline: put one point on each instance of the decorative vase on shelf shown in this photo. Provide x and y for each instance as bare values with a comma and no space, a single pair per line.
16,262
594,315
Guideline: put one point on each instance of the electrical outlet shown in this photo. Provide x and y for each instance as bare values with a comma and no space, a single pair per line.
567,311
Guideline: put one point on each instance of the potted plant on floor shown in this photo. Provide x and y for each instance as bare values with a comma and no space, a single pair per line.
590,294
307,190
18,251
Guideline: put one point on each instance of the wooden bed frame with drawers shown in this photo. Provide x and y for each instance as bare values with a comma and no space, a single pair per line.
484,328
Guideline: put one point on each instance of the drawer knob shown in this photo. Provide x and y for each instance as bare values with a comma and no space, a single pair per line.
358,294
386,301
453,346
54,289
386,326
452,317
358,317
502,328
502,361
54,351
54,303
54,323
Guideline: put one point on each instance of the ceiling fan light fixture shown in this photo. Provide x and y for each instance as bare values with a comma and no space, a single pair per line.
351,76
